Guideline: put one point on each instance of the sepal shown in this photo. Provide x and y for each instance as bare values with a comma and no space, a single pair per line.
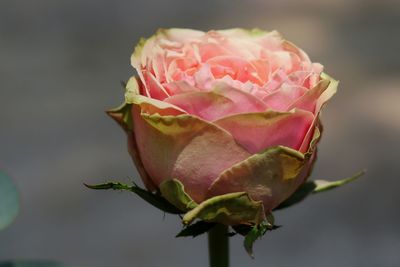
196,229
154,199
228,209
122,115
313,187
258,231
174,192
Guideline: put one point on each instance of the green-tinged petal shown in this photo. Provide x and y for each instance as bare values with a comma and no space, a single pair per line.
270,176
240,32
180,34
174,191
313,187
229,209
329,92
131,89
154,106
196,229
123,116
142,49
309,145
154,199
9,201
324,94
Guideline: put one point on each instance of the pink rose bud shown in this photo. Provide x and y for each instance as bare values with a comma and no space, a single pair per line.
225,111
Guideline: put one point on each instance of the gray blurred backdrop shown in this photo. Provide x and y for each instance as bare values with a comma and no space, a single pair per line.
60,67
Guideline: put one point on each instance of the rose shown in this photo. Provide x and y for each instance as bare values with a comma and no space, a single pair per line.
224,111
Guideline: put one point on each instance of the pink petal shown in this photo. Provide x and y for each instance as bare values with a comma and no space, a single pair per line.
236,67
324,97
309,100
154,88
258,131
185,148
204,77
284,96
221,102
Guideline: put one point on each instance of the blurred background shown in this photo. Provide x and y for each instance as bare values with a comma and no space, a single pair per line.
61,63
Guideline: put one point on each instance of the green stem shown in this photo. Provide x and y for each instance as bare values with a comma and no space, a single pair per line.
218,246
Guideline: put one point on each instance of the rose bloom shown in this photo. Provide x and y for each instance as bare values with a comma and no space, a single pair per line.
225,111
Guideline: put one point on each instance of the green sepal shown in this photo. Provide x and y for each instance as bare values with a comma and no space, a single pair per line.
154,199
9,201
196,229
244,229
323,185
174,191
256,232
313,187
229,209
122,115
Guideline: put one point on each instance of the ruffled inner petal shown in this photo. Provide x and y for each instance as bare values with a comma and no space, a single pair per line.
221,102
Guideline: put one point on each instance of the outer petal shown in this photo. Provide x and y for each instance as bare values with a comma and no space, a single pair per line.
270,176
153,106
134,153
328,93
221,102
324,97
258,131
185,148
122,115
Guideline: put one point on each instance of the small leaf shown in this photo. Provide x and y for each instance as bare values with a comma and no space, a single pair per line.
174,192
255,233
196,229
229,209
9,201
313,187
154,199
244,229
